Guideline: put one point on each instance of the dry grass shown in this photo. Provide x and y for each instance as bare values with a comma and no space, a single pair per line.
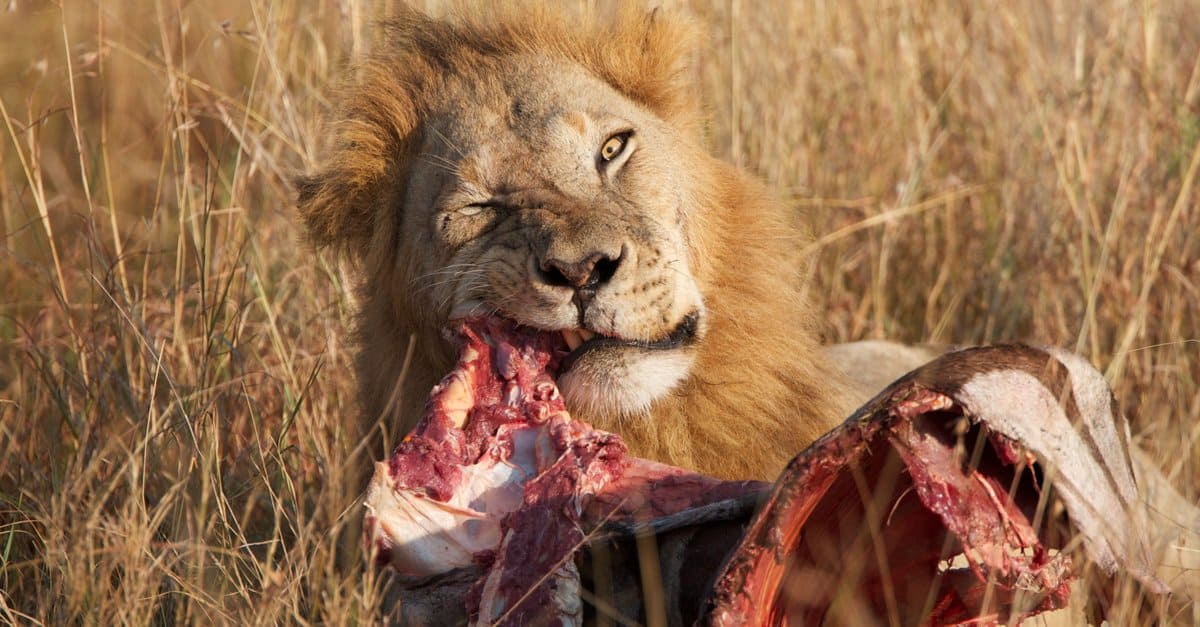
174,377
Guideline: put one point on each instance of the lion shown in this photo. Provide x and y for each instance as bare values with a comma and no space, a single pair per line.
507,162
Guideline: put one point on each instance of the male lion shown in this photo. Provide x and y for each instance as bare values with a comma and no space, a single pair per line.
506,162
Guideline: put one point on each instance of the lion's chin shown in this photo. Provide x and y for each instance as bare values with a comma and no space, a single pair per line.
622,382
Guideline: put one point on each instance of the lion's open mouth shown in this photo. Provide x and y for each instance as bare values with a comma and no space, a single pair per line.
582,341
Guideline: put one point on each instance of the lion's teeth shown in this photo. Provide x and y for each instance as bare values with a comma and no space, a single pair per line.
573,338
586,335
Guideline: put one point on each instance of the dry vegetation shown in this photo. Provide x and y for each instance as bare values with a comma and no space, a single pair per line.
174,377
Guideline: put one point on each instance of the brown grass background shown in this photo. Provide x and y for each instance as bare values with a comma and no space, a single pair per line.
175,383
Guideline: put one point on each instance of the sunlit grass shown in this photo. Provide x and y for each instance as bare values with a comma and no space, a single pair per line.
175,390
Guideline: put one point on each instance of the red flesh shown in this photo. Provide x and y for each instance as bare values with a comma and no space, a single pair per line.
579,477
798,555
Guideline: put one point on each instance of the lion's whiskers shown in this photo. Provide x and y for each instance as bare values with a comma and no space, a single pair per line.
446,275
440,162
446,140
468,273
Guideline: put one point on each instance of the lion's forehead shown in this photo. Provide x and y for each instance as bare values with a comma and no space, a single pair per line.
534,108
486,154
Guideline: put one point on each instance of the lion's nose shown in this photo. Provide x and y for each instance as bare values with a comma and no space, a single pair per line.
585,275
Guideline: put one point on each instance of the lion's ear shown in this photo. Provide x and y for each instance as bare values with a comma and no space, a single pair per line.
352,194
648,56
337,208
665,79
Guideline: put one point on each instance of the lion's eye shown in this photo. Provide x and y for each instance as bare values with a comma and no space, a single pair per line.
477,208
614,146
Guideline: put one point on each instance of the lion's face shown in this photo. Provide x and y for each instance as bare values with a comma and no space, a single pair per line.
548,166
551,199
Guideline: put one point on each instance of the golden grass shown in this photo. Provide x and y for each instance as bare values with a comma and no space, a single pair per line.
174,379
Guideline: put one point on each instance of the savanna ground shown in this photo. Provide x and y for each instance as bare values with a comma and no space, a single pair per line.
174,373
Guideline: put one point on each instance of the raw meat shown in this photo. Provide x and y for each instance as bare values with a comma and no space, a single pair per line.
956,495
497,473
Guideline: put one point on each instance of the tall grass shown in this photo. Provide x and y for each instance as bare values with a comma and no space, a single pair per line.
175,388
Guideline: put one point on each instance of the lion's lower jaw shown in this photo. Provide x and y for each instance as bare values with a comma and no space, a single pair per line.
625,390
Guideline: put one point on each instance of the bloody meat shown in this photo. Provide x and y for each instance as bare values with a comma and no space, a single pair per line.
498,495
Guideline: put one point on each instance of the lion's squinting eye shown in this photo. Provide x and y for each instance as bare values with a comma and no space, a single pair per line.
614,146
